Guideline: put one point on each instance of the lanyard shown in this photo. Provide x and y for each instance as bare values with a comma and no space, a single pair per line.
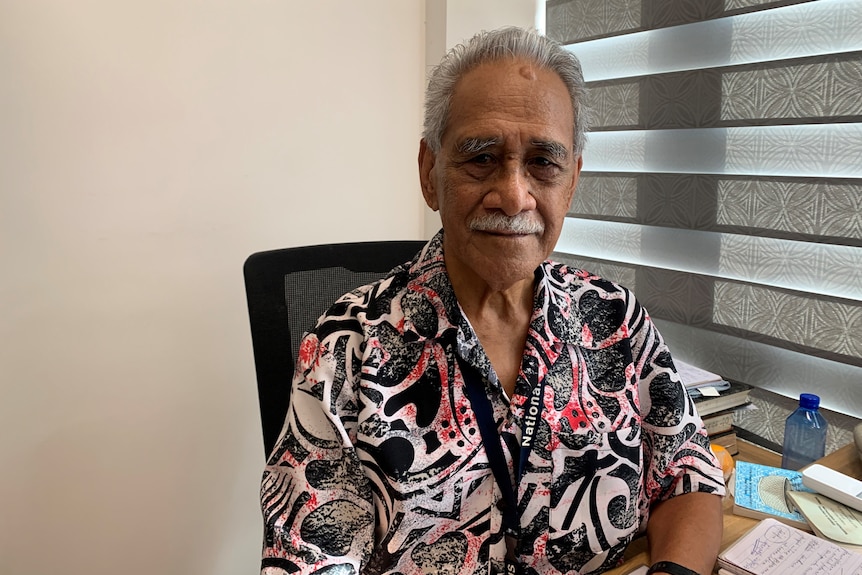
484,412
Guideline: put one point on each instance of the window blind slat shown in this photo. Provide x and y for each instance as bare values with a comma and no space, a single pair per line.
817,150
830,270
808,29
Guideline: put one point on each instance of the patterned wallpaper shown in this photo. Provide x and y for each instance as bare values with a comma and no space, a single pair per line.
754,94
577,20
773,239
795,208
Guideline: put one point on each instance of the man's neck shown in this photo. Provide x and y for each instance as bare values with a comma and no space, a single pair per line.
501,319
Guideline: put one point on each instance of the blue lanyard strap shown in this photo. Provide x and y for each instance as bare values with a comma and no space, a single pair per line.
484,412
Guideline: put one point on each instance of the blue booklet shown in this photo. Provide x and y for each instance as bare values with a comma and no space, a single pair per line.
759,492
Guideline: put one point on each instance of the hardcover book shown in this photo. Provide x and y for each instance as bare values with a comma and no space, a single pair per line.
719,422
727,440
737,394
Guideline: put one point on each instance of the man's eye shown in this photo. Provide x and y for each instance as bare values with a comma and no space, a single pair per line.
482,159
544,168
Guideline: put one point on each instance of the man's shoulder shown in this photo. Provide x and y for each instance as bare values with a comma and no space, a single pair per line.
376,293
597,308
424,273
578,280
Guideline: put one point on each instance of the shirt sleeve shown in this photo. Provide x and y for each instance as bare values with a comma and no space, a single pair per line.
316,501
676,446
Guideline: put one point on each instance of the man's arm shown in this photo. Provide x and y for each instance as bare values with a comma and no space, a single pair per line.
684,482
686,529
315,498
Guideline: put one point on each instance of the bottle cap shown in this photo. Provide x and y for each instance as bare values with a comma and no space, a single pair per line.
809,401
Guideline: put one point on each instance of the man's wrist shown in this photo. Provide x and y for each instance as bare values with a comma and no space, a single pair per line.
671,568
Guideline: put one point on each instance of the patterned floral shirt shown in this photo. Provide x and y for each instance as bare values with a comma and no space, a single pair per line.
381,467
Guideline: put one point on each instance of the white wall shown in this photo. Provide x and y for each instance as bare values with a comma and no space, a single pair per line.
146,148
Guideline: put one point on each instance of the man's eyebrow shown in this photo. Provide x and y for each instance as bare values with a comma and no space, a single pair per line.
556,149
473,145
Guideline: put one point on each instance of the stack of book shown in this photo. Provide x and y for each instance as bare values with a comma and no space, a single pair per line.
716,400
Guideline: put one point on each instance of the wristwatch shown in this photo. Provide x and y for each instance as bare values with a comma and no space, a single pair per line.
670,567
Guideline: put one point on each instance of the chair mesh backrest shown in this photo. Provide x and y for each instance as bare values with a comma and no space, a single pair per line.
319,289
287,290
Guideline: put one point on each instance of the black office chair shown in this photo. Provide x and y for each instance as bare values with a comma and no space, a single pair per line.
287,290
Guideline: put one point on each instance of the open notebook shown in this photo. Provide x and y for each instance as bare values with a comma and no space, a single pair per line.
773,548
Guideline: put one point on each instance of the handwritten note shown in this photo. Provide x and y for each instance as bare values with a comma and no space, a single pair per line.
775,548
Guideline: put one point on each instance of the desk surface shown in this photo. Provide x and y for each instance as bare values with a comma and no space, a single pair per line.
845,460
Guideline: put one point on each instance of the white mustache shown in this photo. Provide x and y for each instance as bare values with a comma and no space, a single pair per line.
497,222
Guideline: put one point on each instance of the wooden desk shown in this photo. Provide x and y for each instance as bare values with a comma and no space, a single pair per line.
846,460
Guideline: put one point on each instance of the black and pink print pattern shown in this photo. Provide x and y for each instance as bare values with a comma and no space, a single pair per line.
381,469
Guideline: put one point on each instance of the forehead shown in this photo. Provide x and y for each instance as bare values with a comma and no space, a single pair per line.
510,98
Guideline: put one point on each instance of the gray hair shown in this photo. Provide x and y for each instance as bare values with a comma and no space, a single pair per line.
497,45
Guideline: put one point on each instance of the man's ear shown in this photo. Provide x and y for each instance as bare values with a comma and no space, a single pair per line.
427,159
576,174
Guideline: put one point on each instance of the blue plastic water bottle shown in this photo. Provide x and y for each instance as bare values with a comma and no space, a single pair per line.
804,434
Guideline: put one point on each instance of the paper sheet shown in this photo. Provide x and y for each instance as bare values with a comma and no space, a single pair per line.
693,376
829,518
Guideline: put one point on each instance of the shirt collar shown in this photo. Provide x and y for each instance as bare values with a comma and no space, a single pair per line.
431,309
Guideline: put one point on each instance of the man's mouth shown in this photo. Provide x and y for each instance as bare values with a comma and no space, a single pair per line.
500,224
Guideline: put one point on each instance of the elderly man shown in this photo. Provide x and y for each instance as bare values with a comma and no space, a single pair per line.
482,409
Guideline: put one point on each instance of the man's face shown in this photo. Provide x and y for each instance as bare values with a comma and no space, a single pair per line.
505,173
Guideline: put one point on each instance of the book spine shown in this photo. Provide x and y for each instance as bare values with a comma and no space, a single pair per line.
718,423
727,440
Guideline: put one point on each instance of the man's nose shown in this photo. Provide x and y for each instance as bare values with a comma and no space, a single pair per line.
511,193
